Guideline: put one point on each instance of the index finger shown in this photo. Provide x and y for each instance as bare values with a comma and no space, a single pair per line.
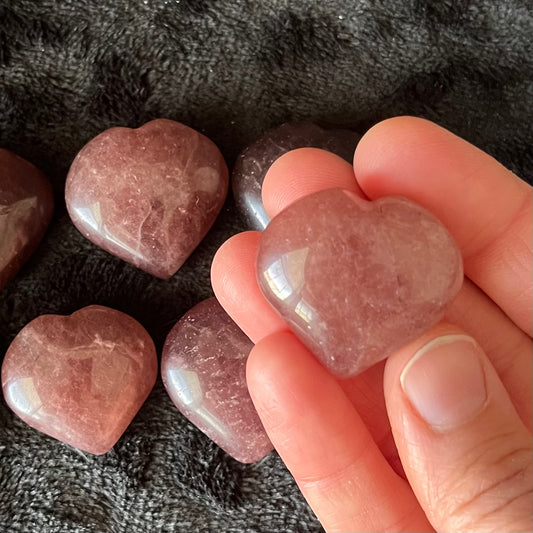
486,207
324,442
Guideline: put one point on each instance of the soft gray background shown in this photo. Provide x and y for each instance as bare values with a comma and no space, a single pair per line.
231,69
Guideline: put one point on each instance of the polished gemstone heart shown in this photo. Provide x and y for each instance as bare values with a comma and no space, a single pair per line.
204,371
80,378
147,195
356,280
254,161
26,206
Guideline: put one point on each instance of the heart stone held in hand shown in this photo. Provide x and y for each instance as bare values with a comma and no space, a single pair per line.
147,195
354,279
26,206
80,378
204,371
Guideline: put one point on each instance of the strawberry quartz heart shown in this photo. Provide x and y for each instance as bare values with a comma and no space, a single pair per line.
80,378
147,195
26,206
356,280
204,371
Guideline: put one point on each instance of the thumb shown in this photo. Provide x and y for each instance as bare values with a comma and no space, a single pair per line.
465,451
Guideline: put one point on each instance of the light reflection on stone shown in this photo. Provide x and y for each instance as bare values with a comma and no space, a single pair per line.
91,217
186,387
305,312
285,276
23,396
277,281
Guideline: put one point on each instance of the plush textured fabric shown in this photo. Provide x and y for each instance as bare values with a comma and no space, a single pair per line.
231,69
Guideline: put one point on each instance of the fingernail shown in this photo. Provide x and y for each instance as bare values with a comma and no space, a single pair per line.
445,382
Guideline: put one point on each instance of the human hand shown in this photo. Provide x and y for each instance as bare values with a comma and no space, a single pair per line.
438,437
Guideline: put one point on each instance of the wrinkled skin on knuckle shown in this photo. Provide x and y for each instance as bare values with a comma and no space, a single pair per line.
492,492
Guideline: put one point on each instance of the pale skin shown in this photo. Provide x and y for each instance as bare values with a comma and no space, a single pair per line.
393,449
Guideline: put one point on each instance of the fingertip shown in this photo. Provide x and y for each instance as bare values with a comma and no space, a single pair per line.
282,375
276,356
225,268
266,363
452,417
263,359
410,155
235,285
384,144
302,172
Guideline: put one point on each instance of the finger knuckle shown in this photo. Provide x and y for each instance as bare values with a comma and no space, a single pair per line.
494,488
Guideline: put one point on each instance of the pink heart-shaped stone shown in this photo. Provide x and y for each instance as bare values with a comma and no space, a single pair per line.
203,367
80,378
147,195
26,206
354,279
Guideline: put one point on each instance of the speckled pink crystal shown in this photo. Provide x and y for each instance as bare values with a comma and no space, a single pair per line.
354,279
204,371
80,378
147,195
26,206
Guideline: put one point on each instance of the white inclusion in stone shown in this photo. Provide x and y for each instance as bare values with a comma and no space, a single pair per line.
11,216
18,208
206,180
23,397
186,385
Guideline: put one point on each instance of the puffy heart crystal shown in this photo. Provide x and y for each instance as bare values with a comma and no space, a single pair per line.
204,371
80,378
26,206
255,160
147,195
356,279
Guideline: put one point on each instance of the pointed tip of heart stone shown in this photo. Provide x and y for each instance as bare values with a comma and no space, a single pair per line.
356,280
203,367
147,195
26,205
80,378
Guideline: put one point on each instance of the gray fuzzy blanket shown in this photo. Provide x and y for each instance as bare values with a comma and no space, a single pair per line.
231,69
